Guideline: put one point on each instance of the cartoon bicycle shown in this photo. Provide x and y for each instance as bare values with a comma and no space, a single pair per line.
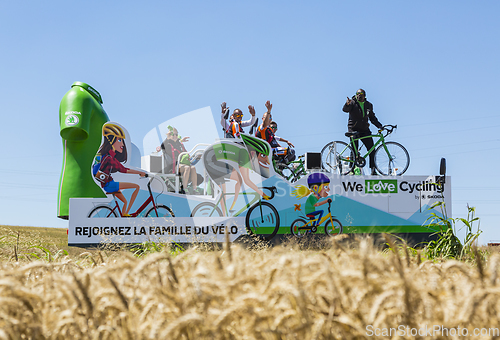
317,191
262,218
114,210
332,226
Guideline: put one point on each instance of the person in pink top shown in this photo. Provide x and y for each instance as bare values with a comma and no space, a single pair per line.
109,159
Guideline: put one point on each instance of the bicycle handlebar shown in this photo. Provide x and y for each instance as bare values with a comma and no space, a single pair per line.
151,178
273,191
388,128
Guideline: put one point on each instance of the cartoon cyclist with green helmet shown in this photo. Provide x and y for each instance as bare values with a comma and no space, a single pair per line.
232,160
319,187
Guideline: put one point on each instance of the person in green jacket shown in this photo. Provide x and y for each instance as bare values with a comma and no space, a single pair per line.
360,111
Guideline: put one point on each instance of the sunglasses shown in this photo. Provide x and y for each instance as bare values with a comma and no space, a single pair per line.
274,127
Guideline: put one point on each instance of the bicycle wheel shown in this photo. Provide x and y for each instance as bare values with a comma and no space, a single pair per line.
262,221
294,229
335,229
102,211
286,172
161,211
337,157
395,162
206,209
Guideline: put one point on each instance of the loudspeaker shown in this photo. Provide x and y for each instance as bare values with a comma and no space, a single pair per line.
313,160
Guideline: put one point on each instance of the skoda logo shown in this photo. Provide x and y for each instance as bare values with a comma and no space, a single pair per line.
71,120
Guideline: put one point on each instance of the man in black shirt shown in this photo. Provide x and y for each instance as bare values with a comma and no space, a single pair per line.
360,110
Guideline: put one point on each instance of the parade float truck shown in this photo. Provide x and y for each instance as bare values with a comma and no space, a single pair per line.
239,194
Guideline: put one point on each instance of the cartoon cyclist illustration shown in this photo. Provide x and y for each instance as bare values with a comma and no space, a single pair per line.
319,187
233,161
109,159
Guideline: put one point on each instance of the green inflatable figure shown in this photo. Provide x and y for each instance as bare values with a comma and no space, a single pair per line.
81,117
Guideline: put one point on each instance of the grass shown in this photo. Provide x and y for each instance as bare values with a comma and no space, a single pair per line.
448,245
237,293
27,243
342,291
54,235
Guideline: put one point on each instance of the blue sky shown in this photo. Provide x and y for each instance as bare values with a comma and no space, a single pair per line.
431,67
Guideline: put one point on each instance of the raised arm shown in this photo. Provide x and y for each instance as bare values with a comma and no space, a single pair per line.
223,120
266,118
287,141
252,120
347,105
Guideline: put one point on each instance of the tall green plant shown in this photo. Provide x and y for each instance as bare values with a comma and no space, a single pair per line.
447,244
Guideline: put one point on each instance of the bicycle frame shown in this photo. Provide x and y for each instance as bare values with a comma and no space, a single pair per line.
142,207
300,168
309,224
356,150
256,197
381,139
296,172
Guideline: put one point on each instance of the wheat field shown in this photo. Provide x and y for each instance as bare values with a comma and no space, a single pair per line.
286,292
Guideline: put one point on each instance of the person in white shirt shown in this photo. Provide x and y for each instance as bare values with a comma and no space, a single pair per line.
234,127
